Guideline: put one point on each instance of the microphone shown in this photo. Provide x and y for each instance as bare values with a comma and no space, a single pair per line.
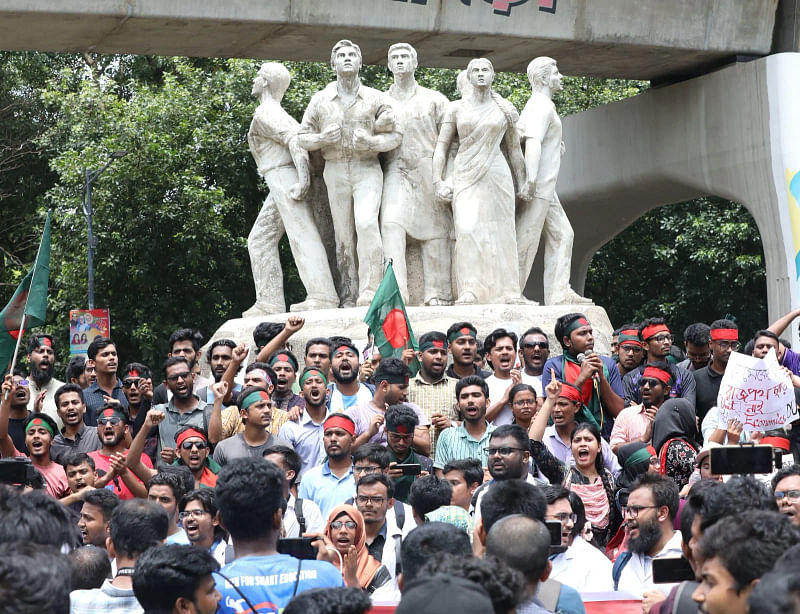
581,357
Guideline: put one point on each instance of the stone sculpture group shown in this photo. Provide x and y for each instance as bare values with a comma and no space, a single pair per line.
472,181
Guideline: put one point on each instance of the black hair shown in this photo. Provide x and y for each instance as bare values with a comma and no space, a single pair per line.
789,559
34,578
740,493
166,573
555,492
21,371
472,380
171,479
766,333
374,453
563,323
266,332
498,333
104,499
512,430
77,458
458,326
186,334
576,503
517,388
422,543
34,341
614,517
784,472
717,324
401,414
748,544
340,600
75,368
249,492
89,566
778,592
470,469
68,388
665,491
208,499
694,504
144,370
431,336
391,367
228,343
521,542
650,322
533,330
37,518
698,333
317,341
136,525
429,493
291,458
378,478
97,344
512,497
505,586
176,360
480,349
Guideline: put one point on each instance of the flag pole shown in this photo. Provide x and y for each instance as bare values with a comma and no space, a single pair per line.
25,312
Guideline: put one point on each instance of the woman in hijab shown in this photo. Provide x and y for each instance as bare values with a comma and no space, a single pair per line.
674,434
345,530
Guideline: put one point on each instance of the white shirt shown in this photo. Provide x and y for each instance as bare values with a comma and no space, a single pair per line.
583,567
497,389
477,511
711,423
535,381
637,575
312,514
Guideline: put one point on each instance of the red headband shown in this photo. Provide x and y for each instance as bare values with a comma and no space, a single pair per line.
189,433
776,442
401,428
659,374
340,422
630,336
133,373
652,450
651,331
724,334
568,391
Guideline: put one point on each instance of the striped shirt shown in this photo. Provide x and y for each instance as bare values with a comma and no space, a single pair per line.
456,443
436,398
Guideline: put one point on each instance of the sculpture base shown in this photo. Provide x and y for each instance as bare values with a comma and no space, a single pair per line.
350,323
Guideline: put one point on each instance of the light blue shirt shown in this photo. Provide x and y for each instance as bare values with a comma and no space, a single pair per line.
306,438
325,489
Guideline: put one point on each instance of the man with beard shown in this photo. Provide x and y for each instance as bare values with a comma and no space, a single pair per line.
470,438
501,347
19,413
630,349
401,423
104,354
724,340
463,342
137,384
40,429
430,388
256,412
75,436
332,482
650,513
697,341
184,343
534,350
391,387
284,364
110,459
220,355
595,377
346,391
81,371
305,435
185,409
635,422
95,515
41,363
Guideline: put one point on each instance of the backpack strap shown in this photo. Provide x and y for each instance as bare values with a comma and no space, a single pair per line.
298,512
619,565
400,520
399,514
548,594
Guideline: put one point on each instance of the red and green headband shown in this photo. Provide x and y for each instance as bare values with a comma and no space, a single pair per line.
189,433
312,373
724,334
45,341
113,412
464,331
254,397
648,332
629,336
283,357
429,344
42,423
577,323
345,347
660,374
569,392
340,421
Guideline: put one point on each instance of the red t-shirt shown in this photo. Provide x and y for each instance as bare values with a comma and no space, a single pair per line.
103,465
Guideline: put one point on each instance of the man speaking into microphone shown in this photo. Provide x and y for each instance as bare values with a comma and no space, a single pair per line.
595,376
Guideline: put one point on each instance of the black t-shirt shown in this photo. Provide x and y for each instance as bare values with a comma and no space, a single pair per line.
708,382
16,430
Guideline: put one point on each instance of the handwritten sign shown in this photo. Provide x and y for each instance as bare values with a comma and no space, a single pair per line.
500,7
756,392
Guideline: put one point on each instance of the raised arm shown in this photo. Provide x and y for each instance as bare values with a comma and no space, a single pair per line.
293,324
779,325
539,424
134,458
220,389
7,449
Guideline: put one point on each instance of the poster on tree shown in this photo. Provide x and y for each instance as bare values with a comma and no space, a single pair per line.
85,325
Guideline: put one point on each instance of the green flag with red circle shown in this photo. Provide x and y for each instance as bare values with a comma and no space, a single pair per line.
388,320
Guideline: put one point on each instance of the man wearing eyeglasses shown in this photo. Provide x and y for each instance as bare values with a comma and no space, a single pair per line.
650,514
635,423
656,339
580,565
534,350
786,487
724,341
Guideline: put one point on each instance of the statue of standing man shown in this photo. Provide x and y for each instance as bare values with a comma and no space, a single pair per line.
350,124
285,167
409,206
540,131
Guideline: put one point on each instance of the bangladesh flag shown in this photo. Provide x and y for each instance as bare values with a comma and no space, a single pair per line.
388,321
30,299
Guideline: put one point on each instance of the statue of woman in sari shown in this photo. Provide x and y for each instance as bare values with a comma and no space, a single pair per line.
482,191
